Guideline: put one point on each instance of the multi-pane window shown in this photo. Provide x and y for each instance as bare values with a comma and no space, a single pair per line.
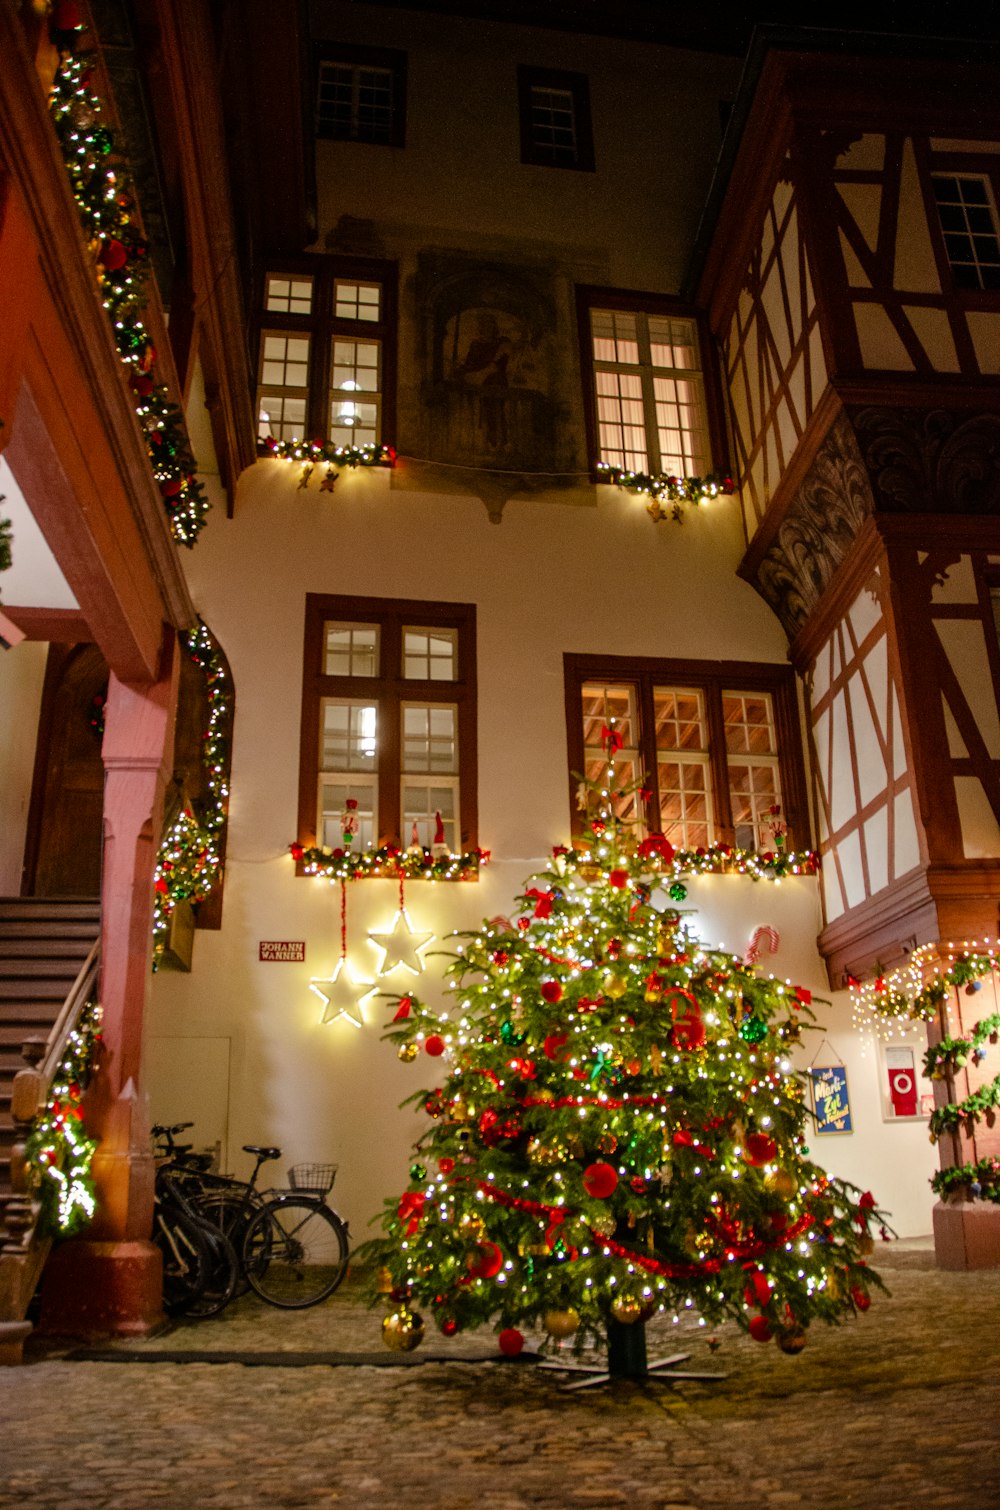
700,758
970,229
389,721
326,352
648,392
555,119
361,97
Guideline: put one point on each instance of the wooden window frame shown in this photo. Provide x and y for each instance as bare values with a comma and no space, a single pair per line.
390,689
577,85
937,164
388,58
711,678
590,297
322,324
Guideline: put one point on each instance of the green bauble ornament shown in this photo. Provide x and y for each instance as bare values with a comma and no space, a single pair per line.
753,1029
418,1173
510,1036
678,892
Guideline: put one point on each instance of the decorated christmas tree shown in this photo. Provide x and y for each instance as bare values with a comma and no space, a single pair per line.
616,1127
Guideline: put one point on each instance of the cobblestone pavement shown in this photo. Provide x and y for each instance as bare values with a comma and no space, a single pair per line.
899,1409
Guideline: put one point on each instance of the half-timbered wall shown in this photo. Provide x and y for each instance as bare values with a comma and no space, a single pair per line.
891,300
772,356
863,779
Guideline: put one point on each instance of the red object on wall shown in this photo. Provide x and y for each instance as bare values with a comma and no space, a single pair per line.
903,1090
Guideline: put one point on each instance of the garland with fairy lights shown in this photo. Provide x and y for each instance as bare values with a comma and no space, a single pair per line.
903,993
108,213
980,1180
58,1151
668,496
189,863
388,862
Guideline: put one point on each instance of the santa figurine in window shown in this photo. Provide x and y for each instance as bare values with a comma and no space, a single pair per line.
439,849
349,821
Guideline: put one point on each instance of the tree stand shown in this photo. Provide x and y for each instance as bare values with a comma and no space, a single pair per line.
627,1360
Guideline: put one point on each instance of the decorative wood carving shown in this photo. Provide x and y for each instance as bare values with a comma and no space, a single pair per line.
936,461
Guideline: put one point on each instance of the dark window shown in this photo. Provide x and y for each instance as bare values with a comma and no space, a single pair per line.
389,721
326,351
361,96
555,119
969,227
714,746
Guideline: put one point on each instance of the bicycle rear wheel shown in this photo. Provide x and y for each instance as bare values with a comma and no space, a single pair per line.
224,1270
295,1252
231,1211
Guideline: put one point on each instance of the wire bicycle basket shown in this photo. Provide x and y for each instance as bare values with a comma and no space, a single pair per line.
314,1179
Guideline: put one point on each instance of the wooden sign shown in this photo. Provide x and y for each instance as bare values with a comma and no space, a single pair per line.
831,1098
285,951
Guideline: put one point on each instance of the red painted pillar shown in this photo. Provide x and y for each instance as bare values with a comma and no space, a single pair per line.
109,1281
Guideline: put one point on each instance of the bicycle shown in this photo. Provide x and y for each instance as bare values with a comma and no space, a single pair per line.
200,1266
292,1247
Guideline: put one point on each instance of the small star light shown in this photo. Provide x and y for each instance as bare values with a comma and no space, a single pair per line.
340,993
401,946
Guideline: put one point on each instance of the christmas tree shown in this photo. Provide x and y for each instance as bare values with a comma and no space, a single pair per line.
618,1130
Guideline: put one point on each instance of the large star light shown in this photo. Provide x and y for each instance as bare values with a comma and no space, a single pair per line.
401,946
342,995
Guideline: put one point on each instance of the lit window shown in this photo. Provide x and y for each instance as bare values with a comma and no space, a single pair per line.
389,720
327,353
649,396
969,225
699,739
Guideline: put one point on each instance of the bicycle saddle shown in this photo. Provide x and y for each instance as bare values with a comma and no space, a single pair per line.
264,1153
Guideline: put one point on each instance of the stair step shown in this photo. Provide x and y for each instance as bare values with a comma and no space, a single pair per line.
13,949
43,907
44,929
37,988
40,967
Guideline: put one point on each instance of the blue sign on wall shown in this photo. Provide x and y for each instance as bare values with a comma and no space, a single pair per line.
831,1099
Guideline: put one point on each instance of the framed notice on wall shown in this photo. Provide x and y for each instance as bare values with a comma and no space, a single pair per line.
831,1098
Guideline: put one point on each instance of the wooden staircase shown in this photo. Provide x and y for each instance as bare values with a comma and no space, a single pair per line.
44,944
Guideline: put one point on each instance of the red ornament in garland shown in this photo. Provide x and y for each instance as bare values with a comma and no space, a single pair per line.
113,255
600,1180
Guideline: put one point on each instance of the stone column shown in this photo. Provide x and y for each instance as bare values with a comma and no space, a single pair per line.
109,1281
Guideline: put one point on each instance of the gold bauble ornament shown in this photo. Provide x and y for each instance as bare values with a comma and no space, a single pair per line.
543,1094
459,1110
603,1225
546,1155
407,1052
627,1309
607,1142
782,1182
590,872
615,987
384,1282
653,993
790,1339
866,1245
403,1330
472,1226
561,1324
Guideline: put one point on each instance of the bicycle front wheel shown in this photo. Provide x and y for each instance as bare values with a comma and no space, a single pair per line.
295,1252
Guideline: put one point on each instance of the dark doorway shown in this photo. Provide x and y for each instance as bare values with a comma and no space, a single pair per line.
65,825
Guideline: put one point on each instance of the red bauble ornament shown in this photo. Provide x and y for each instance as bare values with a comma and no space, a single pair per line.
511,1342
618,879
553,1044
66,16
449,1327
600,1180
760,1149
296,851
113,255
171,488
434,1045
551,991
446,1165
760,1329
488,1263
861,1300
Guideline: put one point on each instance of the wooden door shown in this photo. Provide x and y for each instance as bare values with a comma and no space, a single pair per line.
65,829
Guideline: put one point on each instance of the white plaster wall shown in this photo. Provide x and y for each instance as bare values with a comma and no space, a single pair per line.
551,578
22,672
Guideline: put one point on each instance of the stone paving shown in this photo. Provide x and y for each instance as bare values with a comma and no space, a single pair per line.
899,1409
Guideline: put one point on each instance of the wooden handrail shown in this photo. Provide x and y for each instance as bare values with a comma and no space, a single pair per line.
69,1015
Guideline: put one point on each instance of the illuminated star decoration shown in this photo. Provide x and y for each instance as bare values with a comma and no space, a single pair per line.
340,994
401,946
343,995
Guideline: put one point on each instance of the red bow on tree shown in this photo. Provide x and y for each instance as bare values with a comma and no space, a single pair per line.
542,901
410,1210
611,739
